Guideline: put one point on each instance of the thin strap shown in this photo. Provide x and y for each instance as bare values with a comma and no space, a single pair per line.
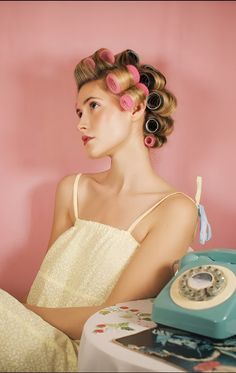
75,195
199,190
133,225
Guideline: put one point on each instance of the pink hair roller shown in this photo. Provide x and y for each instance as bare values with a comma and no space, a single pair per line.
143,88
90,62
126,102
107,56
134,71
150,141
113,83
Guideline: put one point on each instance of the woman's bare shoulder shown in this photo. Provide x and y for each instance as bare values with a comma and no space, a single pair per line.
178,207
173,204
65,184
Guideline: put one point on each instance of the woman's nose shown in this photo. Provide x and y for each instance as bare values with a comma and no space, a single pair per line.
79,126
82,124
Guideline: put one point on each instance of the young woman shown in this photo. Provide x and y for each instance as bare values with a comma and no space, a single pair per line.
116,233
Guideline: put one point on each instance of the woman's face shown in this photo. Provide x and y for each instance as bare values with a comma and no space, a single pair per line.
101,118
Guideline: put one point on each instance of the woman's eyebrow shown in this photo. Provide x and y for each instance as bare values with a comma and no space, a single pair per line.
86,100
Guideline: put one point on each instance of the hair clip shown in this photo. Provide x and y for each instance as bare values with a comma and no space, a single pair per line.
107,56
143,88
154,101
148,80
90,62
150,141
152,125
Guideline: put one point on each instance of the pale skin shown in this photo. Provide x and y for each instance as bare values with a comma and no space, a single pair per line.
117,197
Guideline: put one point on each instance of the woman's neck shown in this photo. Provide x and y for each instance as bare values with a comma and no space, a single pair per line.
130,172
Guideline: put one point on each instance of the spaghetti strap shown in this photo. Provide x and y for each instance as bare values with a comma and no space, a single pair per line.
133,225
75,195
199,190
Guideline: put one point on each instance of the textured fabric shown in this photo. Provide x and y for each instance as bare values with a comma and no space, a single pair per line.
29,344
80,269
82,266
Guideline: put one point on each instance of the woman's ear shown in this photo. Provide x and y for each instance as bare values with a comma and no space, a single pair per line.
138,111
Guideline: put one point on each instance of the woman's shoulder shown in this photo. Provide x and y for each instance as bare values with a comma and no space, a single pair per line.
173,203
180,202
176,199
175,208
170,190
66,182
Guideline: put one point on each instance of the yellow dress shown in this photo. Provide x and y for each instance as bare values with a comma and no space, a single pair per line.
80,269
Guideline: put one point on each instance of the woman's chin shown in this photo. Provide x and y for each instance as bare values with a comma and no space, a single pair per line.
95,155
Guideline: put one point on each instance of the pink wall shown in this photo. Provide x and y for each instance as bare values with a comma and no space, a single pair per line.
193,43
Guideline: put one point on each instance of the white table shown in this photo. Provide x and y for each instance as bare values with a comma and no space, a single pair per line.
97,352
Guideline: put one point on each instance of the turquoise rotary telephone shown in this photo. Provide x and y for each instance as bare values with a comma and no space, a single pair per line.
201,297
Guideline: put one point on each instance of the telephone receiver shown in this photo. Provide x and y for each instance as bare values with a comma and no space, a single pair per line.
201,296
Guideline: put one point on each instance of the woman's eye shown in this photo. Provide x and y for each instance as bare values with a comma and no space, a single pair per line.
79,113
93,104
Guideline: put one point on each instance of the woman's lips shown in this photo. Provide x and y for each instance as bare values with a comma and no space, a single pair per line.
85,139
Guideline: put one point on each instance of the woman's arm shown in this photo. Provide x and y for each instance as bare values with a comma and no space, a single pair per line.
62,218
151,265
63,201
70,320
147,272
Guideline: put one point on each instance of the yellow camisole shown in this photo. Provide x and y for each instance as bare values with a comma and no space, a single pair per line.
85,262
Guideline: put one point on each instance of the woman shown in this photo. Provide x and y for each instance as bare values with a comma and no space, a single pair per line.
116,233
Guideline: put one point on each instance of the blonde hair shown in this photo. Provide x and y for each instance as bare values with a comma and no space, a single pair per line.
160,102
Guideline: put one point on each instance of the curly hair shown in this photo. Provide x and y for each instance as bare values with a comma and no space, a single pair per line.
160,102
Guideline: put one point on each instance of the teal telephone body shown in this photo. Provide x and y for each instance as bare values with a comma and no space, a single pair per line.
201,296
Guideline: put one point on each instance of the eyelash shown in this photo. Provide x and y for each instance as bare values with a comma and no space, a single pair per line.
91,103
79,113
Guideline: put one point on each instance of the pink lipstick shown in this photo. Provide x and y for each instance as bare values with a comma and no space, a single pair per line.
85,139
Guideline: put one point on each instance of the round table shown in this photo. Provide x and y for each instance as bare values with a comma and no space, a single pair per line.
98,352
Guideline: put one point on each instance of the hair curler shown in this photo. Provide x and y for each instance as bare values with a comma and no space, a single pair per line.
113,81
154,101
152,125
148,80
89,62
106,55
126,102
143,88
150,141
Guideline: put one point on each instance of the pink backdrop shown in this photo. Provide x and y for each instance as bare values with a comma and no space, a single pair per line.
193,43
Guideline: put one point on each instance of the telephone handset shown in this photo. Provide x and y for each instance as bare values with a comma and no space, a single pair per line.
201,297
